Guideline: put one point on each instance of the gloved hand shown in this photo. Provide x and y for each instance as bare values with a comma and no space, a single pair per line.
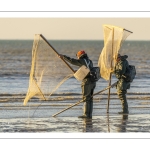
60,56
112,71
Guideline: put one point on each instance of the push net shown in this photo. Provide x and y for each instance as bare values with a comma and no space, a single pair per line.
48,71
113,39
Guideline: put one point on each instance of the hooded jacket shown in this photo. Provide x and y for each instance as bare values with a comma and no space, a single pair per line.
120,70
121,67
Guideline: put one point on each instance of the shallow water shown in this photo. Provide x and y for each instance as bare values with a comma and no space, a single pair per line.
37,116
15,63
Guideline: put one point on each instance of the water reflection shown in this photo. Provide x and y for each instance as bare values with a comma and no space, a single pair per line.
87,125
123,125
108,122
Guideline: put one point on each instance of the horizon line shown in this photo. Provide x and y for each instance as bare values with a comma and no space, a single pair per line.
80,39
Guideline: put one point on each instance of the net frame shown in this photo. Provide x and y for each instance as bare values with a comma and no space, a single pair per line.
113,39
44,59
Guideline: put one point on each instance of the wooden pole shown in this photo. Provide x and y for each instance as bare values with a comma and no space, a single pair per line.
68,108
82,100
109,94
56,52
110,73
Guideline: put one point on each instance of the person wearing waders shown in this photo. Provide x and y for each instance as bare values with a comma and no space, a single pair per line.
87,85
122,85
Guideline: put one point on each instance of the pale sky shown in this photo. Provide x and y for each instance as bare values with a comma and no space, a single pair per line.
67,28
72,19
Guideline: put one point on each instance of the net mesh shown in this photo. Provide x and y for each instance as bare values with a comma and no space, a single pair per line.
113,39
48,71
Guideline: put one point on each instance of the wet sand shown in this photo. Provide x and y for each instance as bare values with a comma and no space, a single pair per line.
36,117
98,124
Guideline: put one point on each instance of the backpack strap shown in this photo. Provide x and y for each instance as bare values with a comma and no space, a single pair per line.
87,64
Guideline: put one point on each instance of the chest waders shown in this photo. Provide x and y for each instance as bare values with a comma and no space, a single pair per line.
87,92
122,87
122,97
87,87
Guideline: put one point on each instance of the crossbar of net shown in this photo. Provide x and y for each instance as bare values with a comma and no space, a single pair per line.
48,72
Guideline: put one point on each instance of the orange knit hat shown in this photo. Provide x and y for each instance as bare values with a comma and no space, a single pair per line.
80,53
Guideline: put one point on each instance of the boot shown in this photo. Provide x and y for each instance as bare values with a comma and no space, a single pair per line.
124,103
86,110
122,112
83,116
91,109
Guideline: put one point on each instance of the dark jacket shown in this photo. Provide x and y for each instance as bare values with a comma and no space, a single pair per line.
119,70
79,62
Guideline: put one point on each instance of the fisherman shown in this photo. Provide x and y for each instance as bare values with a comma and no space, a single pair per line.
122,85
87,85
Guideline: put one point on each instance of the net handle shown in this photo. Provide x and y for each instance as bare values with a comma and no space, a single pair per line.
111,86
56,52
